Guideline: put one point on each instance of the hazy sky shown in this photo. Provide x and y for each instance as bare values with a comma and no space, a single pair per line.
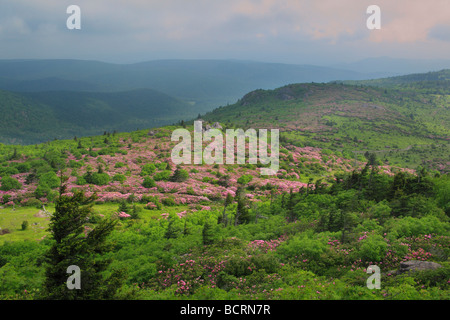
293,31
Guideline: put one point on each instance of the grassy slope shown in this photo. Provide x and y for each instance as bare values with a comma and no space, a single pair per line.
405,127
432,82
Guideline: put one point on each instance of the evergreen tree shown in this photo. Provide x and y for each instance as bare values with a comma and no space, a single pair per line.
180,175
242,212
186,229
207,233
135,211
15,155
123,207
290,206
72,245
171,231
228,201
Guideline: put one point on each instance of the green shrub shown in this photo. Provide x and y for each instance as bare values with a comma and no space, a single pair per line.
162,176
119,177
373,248
80,181
9,183
100,179
119,165
180,175
75,164
169,201
49,179
25,225
42,191
410,226
161,166
245,179
148,169
7,171
308,246
23,167
34,203
148,183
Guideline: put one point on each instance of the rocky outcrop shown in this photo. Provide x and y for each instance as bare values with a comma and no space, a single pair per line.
415,265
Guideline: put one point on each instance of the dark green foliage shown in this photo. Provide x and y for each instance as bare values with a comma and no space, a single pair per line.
8,183
148,182
25,225
49,179
72,244
123,207
172,230
169,201
119,177
242,214
44,192
162,175
207,233
23,167
180,175
59,114
148,169
245,179
7,171
99,179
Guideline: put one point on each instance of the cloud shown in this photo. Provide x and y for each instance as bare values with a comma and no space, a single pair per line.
440,32
411,21
284,28
13,27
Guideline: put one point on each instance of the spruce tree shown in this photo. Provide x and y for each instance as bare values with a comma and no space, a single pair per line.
207,233
123,207
172,231
242,212
228,200
72,245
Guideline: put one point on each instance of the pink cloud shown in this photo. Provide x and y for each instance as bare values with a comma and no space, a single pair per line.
411,21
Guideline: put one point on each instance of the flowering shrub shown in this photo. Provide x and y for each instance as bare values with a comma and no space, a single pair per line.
189,275
123,215
265,246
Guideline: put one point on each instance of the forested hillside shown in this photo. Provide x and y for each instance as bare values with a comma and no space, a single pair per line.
35,117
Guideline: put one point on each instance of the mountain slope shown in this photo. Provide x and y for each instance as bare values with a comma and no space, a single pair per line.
405,127
395,66
41,116
437,82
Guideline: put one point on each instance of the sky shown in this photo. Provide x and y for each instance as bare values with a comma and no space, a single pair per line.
321,32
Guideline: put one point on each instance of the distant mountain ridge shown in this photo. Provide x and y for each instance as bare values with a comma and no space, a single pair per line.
205,83
434,82
33,117
395,66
